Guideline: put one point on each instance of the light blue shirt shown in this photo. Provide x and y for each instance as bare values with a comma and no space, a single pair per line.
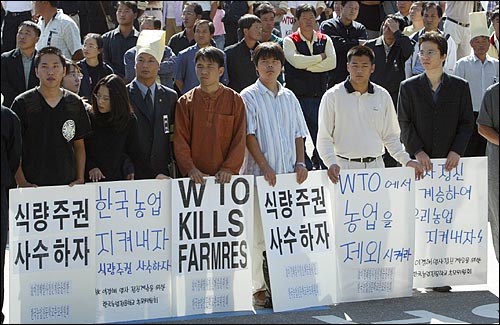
144,89
185,69
276,121
479,75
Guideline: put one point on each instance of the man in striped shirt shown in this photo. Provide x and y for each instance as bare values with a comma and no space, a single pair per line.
271,110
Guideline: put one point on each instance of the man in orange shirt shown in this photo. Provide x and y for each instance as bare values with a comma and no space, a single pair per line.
210,124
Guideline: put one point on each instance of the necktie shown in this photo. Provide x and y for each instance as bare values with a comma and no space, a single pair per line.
149,103
407,21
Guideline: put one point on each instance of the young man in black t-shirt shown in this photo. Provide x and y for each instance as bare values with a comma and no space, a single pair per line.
54,123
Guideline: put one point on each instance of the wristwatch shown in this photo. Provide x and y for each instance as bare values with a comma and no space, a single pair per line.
300,164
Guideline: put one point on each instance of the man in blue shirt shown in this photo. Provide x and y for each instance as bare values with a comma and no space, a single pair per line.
185,73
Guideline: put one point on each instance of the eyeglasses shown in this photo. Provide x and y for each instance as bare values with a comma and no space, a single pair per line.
89,46
99,97
427,53
75,75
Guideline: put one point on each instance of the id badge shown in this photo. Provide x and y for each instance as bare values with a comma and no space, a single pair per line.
165,124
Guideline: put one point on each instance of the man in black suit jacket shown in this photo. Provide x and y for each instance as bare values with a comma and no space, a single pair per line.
16,61
435,108
154,105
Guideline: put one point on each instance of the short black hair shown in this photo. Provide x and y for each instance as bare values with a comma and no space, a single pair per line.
305,8
210,53
211,26
49,50
268,50
246,21
264,8
436,38
429,5
344,2
29,23
361,50
131,4
71,63
198,10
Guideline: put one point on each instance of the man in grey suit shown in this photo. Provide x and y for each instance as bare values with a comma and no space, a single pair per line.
153,104
18,70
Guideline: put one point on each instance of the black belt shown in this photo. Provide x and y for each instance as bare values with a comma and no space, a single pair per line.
15,14
153,9
456,22
362,160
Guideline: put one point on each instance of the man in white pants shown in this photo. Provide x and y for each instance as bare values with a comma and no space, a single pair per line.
457,24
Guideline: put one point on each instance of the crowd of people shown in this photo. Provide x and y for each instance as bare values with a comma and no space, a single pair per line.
102,91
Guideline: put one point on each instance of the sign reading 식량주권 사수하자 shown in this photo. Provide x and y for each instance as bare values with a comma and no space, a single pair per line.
374,233
133,250
212,236
451,224
51,255
298,232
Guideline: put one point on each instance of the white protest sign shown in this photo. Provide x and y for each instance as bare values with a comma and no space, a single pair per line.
286,24
133,250
451,224
212,236
298,232
51,255
374,233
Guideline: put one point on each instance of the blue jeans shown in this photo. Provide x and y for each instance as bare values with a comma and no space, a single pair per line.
310,108
219,41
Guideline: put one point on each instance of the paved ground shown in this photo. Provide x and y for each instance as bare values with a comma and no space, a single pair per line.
476,304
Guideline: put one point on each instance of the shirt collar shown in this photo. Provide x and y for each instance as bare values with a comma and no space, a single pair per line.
385,44
315,36
57,15
443,79
475,58
263,89
133,32
350,89
206,96
144,89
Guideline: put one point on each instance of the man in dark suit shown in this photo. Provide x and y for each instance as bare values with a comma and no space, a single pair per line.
154,105
435,110
18,70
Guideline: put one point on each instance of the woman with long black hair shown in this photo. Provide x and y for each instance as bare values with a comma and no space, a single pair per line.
114,133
